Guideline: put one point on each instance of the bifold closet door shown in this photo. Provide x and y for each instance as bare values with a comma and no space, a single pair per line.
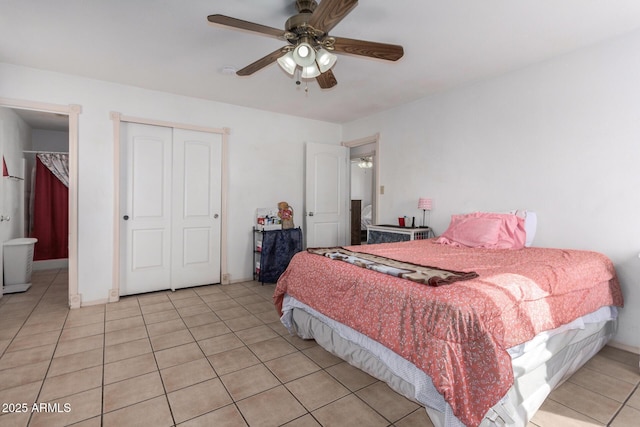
170,224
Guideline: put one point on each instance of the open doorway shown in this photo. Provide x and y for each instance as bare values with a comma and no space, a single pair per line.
37,145
362,179
364,167
46,198
43,128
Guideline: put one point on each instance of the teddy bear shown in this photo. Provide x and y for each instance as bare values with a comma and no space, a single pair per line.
285,213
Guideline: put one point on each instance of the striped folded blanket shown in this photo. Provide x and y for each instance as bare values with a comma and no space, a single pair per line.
428,275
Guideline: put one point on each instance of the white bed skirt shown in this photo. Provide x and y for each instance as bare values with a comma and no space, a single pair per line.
539,365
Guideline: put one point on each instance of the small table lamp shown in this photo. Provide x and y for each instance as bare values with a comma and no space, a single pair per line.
425,205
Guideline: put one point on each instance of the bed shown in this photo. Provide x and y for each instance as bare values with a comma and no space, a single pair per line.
477,335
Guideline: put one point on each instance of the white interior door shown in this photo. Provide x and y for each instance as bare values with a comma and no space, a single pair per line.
171,212
2,212
146,210
197,160
326,195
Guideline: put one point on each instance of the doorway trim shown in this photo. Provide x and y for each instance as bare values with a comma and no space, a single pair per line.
118,118
372,139
72,111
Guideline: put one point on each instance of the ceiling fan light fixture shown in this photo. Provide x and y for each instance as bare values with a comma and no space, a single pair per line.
307,37
365,162
287,63
304,55
304,51
325,59
310,71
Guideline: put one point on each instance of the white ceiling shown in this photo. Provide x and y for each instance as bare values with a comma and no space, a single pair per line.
168,45
43,120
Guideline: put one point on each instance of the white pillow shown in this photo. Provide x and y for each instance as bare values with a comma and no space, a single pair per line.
530,224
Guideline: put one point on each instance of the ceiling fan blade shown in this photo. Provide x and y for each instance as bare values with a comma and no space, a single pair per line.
327,80
261,63
330,12
388,52
246,25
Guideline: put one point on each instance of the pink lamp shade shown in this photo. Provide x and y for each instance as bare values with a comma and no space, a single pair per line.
424,203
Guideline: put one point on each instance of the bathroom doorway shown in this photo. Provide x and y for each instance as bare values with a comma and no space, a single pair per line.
46,206
44,128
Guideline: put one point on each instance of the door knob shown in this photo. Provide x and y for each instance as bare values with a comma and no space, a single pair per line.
126,217
216,215
310,213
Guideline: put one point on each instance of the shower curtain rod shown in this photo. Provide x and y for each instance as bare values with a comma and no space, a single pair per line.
45,152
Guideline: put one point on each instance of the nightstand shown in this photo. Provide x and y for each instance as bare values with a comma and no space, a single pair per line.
395,233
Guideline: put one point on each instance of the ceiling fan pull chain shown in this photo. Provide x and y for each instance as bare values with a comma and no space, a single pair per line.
298,72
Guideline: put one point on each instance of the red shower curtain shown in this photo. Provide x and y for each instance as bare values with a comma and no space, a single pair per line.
50,215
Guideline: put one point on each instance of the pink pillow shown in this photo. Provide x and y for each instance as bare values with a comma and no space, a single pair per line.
485,230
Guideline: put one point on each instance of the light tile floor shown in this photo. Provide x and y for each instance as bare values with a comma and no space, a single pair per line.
218,356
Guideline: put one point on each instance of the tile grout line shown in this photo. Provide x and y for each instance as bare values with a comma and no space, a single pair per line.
624,404
26,318
321,369
104,358
272,373
155,359
235,402
200,348
44,379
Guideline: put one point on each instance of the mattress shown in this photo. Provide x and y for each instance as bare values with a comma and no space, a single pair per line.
539,365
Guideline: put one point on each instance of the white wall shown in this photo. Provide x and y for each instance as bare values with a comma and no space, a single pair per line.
50,140
561,138
265,162
15,136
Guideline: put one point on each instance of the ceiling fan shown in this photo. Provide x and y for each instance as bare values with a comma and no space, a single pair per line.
309,50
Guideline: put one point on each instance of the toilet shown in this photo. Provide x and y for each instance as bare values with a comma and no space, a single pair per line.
18,264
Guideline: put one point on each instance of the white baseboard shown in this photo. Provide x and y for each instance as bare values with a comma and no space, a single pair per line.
50,264
95,302
625,347
234,281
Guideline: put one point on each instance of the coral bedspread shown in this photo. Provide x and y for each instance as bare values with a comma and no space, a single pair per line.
458,333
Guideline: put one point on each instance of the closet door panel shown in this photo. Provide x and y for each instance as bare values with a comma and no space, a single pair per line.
196,246
197,159
197,170
146,211
147,259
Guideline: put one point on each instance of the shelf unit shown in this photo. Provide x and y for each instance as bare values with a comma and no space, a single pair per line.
257,250
272,251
